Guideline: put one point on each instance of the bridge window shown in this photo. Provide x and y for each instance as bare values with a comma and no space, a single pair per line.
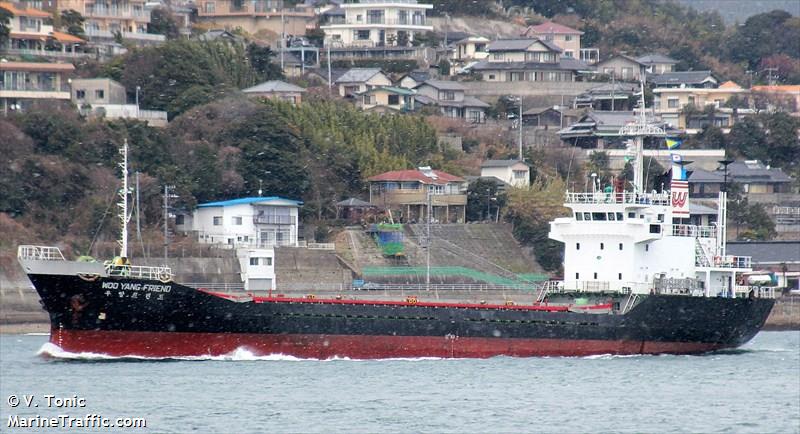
619,216
655,229
587,216
619,275
661,217
631,215
577,276
602,246
578,216
595,276
577,246
612,216
600,216
620,246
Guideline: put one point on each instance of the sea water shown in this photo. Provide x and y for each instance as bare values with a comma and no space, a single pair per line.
752,389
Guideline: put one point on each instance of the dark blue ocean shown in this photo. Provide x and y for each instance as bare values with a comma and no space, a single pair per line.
753,389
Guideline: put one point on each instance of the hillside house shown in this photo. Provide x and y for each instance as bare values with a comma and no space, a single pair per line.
512,172
471,48
254,16
24,83
414,79
253,226
105,20
527,60
622,67
550,117
31,33
359,80
757,180
566,38
106,98
276,89
406,192
601,130
375,23
657,63
672,103
682,79
387,99
608,97
449,97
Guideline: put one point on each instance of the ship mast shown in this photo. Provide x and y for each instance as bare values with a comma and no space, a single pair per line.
124,216
639,129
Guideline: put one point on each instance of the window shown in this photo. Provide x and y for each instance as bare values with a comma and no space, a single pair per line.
691,100
237,221
99,94
447,95
519,174
612,216
619,276
569,53
599,216
268,261
627,72
577,246
80,94
578,216
631,215
661,217
577,276
602,246
620,246
619,216
362,35
211,7
608,71
568,38
672,102
647,247
394,99
497,56
491,76
595,276
587,216
218,220
179,219
253,261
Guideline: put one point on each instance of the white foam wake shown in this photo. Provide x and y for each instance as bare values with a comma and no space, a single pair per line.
241,354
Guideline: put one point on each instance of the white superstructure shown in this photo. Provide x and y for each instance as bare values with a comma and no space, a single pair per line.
635,241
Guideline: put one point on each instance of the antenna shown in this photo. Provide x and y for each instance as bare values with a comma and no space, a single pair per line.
167,196
638,129
124,216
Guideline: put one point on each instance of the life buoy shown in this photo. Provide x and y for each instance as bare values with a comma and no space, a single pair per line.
311,296
411,300
165,277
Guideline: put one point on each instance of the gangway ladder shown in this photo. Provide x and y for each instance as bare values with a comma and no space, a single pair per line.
545,289
700,255
629,303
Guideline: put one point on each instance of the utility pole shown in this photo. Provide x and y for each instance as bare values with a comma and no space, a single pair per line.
283,35
138,224
521,158
167,196
613,86
330,79
428,244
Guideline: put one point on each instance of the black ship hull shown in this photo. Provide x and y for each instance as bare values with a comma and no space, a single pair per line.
131,317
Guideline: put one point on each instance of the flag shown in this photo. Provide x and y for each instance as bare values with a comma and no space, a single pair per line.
674,143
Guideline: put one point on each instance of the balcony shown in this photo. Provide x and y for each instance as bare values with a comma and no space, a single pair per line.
34,90
418,197
47,53
141,16
94,33
273,220
376,21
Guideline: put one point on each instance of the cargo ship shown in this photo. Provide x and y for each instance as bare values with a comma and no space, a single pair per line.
637,280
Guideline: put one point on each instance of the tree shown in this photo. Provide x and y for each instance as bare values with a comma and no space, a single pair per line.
747,139
316,36
73,21
162,22
531,210
5,26
783,145
444,67
262,60
483,200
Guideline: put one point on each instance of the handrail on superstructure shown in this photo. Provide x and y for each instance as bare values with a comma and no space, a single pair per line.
40,253
690,231
625,197
164,273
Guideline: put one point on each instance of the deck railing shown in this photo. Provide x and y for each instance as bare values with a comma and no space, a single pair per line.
40,253
691,231
163,274
627,197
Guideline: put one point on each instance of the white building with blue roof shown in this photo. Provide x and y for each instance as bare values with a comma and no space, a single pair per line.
253,226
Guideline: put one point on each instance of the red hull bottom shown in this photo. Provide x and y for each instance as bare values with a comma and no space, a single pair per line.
163,344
